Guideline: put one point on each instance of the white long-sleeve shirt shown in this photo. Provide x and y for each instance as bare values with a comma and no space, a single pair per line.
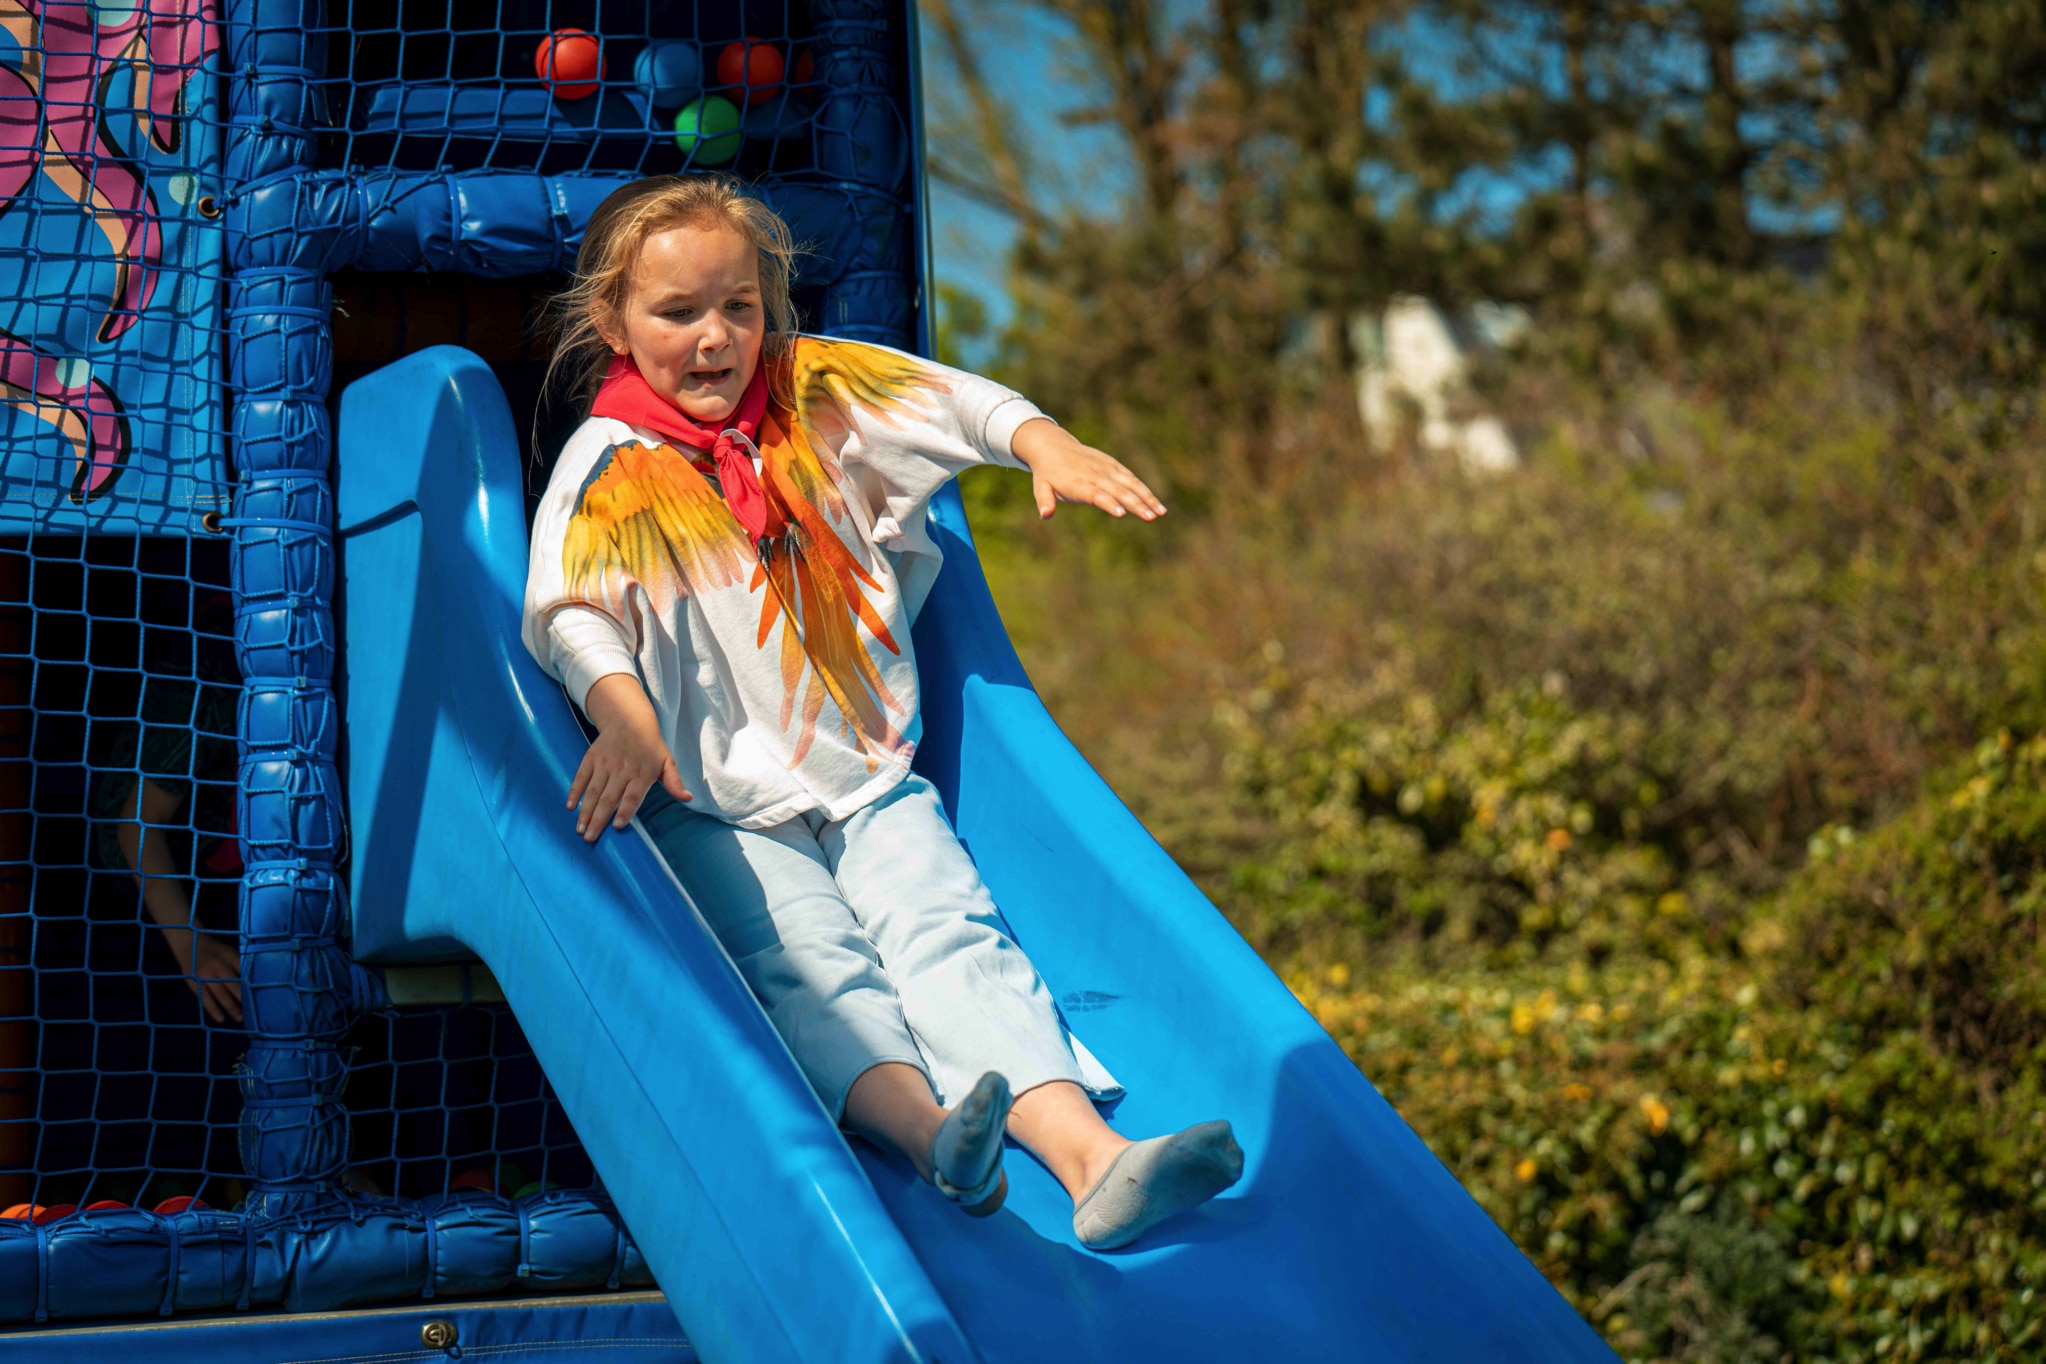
789,686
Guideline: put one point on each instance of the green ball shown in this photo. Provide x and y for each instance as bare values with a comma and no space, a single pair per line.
709,129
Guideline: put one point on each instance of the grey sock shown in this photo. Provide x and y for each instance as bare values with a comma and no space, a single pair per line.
1153,1180
966,1155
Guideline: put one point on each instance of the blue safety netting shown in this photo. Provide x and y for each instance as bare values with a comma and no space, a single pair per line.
119,867
119,656
187,189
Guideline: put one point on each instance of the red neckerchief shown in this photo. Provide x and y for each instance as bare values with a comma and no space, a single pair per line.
628,397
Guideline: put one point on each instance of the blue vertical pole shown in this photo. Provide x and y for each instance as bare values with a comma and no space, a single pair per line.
297,980
863,143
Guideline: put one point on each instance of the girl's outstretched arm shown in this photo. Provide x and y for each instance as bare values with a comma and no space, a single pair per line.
902,425
628,757
1062,469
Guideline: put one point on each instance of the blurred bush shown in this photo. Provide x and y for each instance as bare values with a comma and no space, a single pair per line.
1826,1144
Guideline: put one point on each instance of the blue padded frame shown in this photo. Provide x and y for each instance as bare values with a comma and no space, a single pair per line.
300,1241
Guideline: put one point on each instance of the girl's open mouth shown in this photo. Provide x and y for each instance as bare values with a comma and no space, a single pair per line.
710,378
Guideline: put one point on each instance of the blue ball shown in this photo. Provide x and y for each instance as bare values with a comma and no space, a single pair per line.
669,74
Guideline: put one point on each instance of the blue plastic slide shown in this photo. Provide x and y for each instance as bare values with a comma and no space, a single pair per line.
771,1236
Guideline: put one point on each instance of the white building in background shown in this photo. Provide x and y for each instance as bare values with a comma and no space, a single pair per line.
1414,365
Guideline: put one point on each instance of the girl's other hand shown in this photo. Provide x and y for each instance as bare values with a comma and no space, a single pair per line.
1064,470
626,760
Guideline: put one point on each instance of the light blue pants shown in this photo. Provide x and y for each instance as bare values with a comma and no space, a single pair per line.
871,939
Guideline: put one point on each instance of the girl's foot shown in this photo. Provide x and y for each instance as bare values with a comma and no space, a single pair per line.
966,1155
1152,1180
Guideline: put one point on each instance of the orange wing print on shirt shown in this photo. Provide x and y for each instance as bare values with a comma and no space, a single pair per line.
645,514
819,584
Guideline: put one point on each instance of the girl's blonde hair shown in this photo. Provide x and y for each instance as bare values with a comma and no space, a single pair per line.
612,241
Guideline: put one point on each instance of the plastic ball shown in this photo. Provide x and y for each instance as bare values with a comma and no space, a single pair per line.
105,1205
55,1211
668,74
753,64
480,1180
569,63
23,1211
537,1186
805,69
708,130
180,1203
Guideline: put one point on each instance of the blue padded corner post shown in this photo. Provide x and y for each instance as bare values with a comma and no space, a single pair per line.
297,981
863,147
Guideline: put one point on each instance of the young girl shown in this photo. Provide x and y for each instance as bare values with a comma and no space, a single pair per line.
725,568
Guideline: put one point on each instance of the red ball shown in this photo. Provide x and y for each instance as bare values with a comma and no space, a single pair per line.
755,65
55,1211
481,1180
178,1204
569,63
105,1205
806,68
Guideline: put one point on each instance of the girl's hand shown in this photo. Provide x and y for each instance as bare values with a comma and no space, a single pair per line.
1064,470
628,757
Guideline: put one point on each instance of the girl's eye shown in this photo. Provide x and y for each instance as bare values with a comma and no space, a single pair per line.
681,314
738,305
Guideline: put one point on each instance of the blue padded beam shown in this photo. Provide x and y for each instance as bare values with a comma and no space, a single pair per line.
128,1262
508,224
1347,1238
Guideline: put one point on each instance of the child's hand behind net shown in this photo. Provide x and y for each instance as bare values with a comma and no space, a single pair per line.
212,970
628,757
1064,470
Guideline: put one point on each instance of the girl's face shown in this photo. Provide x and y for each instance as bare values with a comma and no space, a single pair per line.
693,320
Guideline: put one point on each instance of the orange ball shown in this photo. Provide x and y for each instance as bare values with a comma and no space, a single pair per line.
24,1211
569,63
483,1181
755,65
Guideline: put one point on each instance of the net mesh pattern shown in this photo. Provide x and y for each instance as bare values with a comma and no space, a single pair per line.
119,682
450,1097
577,85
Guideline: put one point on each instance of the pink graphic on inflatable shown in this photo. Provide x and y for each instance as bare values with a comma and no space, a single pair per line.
97,103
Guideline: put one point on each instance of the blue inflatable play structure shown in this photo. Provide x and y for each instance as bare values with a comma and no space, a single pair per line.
293,621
